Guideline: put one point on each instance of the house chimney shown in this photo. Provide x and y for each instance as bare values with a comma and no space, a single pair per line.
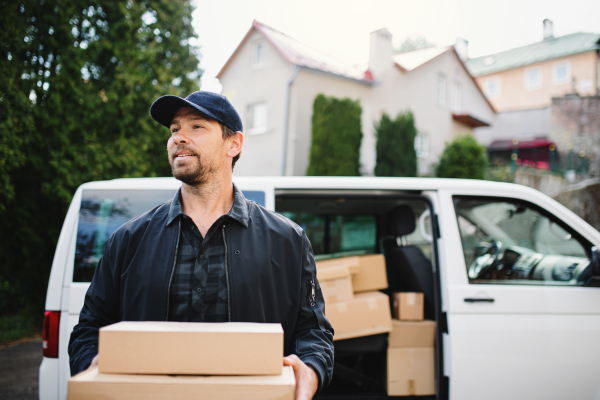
380,52
548,29
461,46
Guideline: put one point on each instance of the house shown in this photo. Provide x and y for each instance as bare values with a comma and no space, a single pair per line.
273,80
520,83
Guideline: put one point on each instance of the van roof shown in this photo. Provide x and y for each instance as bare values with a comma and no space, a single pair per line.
314,182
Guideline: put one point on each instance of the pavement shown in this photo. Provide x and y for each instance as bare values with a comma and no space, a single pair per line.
19,370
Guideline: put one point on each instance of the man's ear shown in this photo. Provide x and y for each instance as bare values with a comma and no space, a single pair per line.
235,144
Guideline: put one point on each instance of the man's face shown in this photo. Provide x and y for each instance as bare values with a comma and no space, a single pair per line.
196,147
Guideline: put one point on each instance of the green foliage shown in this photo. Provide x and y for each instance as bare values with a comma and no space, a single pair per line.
16,327
396,155
336,137
462,158
92,68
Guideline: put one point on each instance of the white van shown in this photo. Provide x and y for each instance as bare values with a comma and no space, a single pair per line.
507,274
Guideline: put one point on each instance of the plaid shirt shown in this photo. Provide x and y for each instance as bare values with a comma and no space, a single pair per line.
199,289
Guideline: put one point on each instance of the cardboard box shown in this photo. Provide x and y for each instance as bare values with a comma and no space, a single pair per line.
412,334
372,274
368,271
336,283
230,348
352,263
92,385
411,372
366,314
408,306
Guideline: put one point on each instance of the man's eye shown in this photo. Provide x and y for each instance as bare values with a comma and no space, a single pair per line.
197,126
174,130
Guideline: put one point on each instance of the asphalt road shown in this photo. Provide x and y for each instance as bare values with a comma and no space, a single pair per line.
19,370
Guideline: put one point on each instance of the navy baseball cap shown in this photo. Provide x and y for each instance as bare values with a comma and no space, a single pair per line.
211,104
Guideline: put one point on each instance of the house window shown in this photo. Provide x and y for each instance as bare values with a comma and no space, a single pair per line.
492,87
533,78
456,96
421,145
257,118
561,72
258,54
441,90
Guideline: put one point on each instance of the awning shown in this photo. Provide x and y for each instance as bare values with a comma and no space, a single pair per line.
469,120
504,145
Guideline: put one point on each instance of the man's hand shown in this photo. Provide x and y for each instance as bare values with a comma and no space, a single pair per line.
307,382
94,363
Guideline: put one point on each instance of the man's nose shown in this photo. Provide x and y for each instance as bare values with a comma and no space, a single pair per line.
180,136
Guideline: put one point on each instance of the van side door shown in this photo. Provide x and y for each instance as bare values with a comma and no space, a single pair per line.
521,321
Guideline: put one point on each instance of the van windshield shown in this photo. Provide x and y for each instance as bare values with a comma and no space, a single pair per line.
103,211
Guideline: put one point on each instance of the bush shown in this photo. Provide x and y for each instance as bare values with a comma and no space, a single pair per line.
336,137
396,155
462,158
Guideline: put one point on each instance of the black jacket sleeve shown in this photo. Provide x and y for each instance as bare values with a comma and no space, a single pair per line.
101,308
314,335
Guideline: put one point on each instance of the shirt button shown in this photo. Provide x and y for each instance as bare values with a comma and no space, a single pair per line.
198,290
201,255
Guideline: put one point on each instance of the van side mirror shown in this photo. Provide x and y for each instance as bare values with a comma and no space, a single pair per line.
595,268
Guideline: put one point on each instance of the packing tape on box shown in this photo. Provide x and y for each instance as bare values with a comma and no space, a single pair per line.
411,299
332,299
411,387
342,307
372,304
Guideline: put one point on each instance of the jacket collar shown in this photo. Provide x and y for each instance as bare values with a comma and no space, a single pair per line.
239,210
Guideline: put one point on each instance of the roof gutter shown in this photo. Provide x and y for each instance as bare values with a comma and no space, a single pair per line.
286,119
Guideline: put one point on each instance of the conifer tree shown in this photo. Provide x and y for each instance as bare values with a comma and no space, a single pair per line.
336,137
396,155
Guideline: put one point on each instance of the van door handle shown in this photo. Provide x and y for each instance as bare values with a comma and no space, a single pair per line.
478,300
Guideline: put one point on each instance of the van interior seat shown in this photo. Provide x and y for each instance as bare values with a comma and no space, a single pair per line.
407,267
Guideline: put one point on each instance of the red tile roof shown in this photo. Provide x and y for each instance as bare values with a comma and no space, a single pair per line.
297,53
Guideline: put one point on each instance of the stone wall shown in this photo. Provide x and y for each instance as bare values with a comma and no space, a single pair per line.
575,126
582,198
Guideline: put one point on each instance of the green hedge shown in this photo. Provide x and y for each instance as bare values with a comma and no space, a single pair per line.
336,137
396,155
462,158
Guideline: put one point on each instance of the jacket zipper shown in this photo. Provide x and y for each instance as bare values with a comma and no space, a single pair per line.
313,300
173,269
227,276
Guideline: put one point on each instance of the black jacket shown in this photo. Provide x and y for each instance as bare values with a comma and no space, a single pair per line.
271,275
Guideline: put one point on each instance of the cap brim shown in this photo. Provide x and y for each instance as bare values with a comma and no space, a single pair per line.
164,108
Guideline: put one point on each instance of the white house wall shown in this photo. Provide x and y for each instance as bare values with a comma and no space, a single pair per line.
244,86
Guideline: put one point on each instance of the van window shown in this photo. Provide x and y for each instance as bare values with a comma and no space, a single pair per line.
103,211
510,241
100,214
338,233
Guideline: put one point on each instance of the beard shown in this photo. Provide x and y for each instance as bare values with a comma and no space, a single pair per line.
193,172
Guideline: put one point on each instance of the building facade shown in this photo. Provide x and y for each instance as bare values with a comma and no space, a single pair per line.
273,80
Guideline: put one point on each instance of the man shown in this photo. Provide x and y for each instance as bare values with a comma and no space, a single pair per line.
209,255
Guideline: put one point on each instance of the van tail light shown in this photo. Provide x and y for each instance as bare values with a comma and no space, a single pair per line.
50,337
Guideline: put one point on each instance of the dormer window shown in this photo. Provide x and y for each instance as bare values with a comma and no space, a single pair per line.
258,54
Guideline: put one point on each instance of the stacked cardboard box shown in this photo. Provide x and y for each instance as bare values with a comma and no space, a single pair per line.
166,360
411,355
350,287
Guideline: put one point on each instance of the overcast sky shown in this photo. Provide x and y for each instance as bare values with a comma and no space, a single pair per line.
341,27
